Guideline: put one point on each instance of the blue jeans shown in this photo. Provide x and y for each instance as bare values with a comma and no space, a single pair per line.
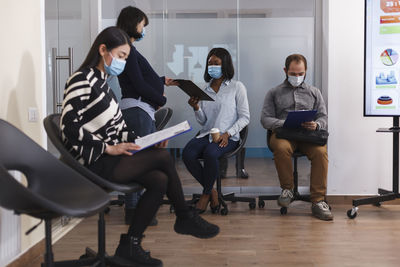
207,173
141,123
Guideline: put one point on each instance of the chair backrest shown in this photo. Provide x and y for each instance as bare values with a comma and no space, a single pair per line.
52,127
162,117
242,141
53,189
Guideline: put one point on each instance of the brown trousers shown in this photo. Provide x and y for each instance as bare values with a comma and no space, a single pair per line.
318,155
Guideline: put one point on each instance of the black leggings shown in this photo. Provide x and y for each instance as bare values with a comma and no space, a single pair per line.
154,169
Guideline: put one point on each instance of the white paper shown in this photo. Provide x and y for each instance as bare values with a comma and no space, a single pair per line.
157,137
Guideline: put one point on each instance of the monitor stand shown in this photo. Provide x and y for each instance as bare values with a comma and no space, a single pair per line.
384,195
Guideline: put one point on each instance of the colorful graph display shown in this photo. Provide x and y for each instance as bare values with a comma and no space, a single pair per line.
382,66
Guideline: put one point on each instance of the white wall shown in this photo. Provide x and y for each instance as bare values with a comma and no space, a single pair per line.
360,159
22,80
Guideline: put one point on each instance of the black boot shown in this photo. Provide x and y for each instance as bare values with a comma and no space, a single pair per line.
191,223
129,252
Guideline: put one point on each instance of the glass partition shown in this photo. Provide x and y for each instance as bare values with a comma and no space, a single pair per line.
259,34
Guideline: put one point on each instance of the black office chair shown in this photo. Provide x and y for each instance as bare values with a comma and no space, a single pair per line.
162,117
52,127
53,188
297,196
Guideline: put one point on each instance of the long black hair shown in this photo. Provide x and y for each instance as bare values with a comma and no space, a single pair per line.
128,20
111,37
226,67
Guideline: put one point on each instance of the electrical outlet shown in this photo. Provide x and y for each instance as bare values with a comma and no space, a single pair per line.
33,114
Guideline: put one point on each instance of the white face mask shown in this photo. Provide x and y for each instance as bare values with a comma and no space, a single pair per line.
295,81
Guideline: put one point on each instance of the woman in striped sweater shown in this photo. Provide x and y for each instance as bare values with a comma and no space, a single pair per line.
96,134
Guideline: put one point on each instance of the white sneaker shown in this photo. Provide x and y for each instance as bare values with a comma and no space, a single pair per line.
285,198
321,211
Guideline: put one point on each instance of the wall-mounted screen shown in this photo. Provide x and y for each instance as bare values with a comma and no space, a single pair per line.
382,60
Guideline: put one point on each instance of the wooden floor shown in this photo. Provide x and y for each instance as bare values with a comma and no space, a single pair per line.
260,237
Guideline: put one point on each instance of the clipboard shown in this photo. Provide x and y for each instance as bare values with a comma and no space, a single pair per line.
295,118
192,89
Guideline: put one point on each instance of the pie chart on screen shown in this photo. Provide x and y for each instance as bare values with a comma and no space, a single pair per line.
389,57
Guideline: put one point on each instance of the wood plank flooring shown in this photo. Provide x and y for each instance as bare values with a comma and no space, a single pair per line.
260,237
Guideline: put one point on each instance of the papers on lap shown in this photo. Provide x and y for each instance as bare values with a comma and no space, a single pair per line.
295,118
192,89
168,133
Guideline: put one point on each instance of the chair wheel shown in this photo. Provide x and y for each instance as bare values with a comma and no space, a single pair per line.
224,211
243,174
283,211
107,210
171,209
352,213
377,204
252,205
261,204
215,209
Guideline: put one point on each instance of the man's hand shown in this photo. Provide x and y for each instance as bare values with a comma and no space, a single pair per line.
194,102
223,139
309,125
121,149
162,144
170,82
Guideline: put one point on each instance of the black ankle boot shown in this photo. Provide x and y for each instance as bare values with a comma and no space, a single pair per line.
130,252
191,223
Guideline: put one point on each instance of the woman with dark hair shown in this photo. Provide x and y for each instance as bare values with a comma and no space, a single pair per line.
141,87
96,134
229,113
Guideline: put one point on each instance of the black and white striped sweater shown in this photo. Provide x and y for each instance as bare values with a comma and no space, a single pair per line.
91,117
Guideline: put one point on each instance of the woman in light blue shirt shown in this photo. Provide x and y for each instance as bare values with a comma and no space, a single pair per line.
229,113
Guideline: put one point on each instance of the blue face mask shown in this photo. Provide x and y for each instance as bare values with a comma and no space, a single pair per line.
143,34
215,71
116,67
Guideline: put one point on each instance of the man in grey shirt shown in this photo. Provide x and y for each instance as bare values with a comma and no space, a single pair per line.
295,94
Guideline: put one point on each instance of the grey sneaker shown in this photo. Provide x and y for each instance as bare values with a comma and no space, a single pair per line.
285,198
321,211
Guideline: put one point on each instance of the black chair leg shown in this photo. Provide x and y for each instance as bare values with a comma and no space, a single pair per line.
296,193
101,252
240,171
48,256
223,167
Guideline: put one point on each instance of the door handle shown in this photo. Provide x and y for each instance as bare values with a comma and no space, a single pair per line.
57,103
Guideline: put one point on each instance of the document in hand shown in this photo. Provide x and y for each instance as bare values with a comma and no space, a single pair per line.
168,133
193,90
295,118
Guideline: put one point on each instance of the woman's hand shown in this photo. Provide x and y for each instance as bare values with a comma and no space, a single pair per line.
224,139
309,125
121,149
194,102
162,144
170,82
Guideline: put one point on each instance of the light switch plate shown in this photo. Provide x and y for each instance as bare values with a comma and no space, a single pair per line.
33,114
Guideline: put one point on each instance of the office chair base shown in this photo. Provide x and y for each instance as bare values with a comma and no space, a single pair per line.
384,195
283,210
